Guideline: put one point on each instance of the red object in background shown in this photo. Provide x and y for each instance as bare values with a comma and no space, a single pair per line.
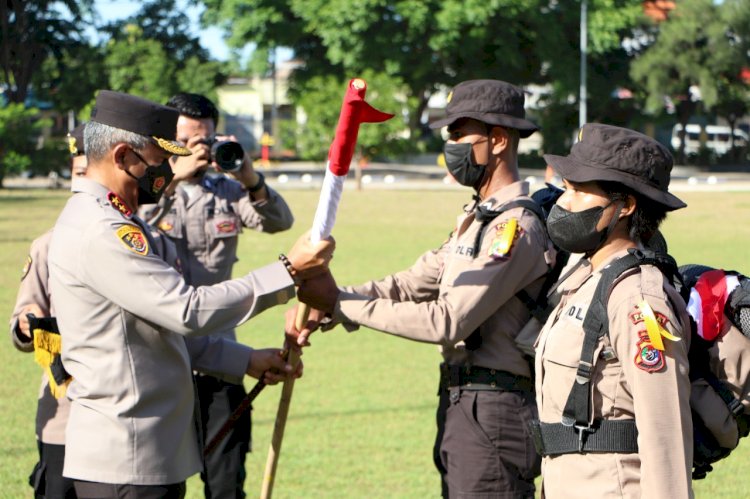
354,112
264,153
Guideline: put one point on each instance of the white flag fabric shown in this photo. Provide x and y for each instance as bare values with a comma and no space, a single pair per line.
325,215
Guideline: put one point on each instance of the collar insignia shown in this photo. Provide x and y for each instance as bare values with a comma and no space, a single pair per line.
118,204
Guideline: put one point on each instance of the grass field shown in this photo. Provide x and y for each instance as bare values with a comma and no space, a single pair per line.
362,419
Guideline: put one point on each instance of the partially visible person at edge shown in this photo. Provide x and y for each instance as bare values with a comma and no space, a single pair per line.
34,298
616,197
124,313
203,214
462,297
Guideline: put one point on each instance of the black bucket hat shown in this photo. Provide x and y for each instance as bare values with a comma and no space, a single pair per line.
493,102
141,116
614,154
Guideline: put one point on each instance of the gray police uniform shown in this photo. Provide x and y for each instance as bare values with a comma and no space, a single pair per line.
124,314
204,221
462,297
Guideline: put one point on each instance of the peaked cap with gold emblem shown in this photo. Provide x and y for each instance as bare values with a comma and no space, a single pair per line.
141,116
75,141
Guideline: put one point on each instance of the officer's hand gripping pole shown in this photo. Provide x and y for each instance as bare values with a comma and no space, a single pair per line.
354,111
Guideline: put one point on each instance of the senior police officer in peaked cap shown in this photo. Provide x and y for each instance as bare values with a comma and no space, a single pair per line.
614,408
462,296
124,313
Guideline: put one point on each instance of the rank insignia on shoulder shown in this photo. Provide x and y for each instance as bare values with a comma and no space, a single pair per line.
647,357
118,204
26,268
133,239
506,233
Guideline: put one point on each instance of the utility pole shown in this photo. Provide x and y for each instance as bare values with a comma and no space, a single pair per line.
584,45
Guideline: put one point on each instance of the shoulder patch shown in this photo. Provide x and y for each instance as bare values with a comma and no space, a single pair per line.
133,239
654,328
506,233
119,204
648,358
26,267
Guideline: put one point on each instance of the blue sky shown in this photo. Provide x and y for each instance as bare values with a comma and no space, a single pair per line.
210,38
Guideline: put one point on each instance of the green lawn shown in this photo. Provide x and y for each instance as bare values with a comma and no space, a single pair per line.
362,418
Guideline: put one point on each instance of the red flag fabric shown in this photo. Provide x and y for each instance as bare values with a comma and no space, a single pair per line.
712,288
354,111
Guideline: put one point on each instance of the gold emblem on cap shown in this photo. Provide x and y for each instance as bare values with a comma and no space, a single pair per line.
72,145
450,96
358,83
170,146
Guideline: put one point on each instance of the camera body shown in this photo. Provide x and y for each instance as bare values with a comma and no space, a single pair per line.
226,153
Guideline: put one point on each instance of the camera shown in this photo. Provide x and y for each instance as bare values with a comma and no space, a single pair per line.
226,153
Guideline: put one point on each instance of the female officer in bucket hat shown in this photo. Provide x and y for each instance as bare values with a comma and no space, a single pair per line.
616,196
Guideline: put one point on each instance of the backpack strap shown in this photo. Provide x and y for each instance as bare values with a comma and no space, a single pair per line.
577,412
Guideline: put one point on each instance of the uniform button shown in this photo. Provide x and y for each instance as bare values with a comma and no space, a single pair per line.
468,384
493,384
492,371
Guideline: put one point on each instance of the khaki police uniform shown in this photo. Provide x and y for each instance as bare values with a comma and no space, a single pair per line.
204,221
124,314
653,390
51,412
462,298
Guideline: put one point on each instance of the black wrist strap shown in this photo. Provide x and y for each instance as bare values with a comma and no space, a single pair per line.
261,184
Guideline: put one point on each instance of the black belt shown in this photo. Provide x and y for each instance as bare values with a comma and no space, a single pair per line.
482,378
618,436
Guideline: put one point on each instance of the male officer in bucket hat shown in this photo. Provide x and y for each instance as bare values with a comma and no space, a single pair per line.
124,313
462,296
634,436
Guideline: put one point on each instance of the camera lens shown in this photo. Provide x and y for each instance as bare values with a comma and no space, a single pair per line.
228,155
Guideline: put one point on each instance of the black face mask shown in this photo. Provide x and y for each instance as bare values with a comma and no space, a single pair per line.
461,165
575,231
153,182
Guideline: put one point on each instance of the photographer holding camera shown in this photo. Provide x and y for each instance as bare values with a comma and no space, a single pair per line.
203,213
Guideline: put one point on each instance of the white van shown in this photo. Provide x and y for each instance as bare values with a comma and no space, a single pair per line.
717,138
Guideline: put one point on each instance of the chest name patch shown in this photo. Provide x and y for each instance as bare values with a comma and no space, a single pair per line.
133,239
226,227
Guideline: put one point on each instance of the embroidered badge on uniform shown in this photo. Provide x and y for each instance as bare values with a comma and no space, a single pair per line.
26,268
158,184
647,357
226,227
506,234
165,226
119,204
132,237
638,317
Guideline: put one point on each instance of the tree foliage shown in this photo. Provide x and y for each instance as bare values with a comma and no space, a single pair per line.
692,50
19,127
33,31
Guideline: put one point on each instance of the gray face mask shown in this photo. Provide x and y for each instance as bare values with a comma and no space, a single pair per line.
461,165
575,231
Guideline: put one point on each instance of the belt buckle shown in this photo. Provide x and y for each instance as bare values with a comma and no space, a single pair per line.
583,430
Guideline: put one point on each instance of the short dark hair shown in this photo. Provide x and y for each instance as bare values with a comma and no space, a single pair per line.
194,106
648,214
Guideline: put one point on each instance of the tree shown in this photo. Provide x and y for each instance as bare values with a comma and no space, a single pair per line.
691,48
19,127
31,32
419,44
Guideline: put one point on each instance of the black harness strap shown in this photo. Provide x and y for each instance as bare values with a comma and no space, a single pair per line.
577,413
